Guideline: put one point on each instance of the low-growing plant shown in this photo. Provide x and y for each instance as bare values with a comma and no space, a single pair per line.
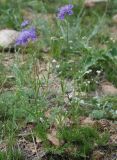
76,59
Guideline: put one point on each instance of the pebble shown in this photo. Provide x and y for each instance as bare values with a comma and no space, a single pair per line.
115,18
8,38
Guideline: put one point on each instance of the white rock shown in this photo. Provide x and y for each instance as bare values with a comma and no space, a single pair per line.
8,38
91,3
114,18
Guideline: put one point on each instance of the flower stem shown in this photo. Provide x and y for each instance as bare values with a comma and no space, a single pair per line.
67,33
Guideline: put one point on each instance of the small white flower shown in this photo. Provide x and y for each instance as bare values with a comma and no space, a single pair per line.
112,39
41,119
83,93
98,71
89,71
61,37
98,104
83,38
53,38
89,47
59,73
54,61
88,82
81,102
70,95
70,41
76,99
57,66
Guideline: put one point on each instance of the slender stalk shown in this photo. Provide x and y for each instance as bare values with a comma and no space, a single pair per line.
67,33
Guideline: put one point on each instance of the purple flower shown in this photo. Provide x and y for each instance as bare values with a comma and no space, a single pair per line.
65,10
26,35
25,23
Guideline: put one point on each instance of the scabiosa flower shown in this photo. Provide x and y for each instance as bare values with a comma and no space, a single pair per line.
65,10
25,23
26,35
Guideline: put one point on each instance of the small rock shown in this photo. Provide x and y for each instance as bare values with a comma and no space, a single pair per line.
91,3
8,38
115,18
108,89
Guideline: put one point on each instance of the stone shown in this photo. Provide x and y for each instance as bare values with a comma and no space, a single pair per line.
92,3
8,38
114,18
108,89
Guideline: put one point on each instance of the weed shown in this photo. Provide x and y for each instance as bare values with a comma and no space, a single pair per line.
54,78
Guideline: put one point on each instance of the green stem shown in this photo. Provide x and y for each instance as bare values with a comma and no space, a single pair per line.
67,32
67,35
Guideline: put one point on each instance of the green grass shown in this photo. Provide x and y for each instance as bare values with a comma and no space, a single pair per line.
75,53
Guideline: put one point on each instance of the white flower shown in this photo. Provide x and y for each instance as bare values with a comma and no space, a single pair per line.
83,38
53,38
98,71
81,102
88,82
98,104
112,39
41,119
70,95
61,37
89,71
83,93
57,66
54,61
59,73
76,99
70,41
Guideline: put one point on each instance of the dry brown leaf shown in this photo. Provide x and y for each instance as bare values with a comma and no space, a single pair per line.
52,137
87,121
3,147
48,113
113,128
30,125
102,125
113,139
97,155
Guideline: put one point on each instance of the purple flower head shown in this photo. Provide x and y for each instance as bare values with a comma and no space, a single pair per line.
65,10
25,23
26,35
